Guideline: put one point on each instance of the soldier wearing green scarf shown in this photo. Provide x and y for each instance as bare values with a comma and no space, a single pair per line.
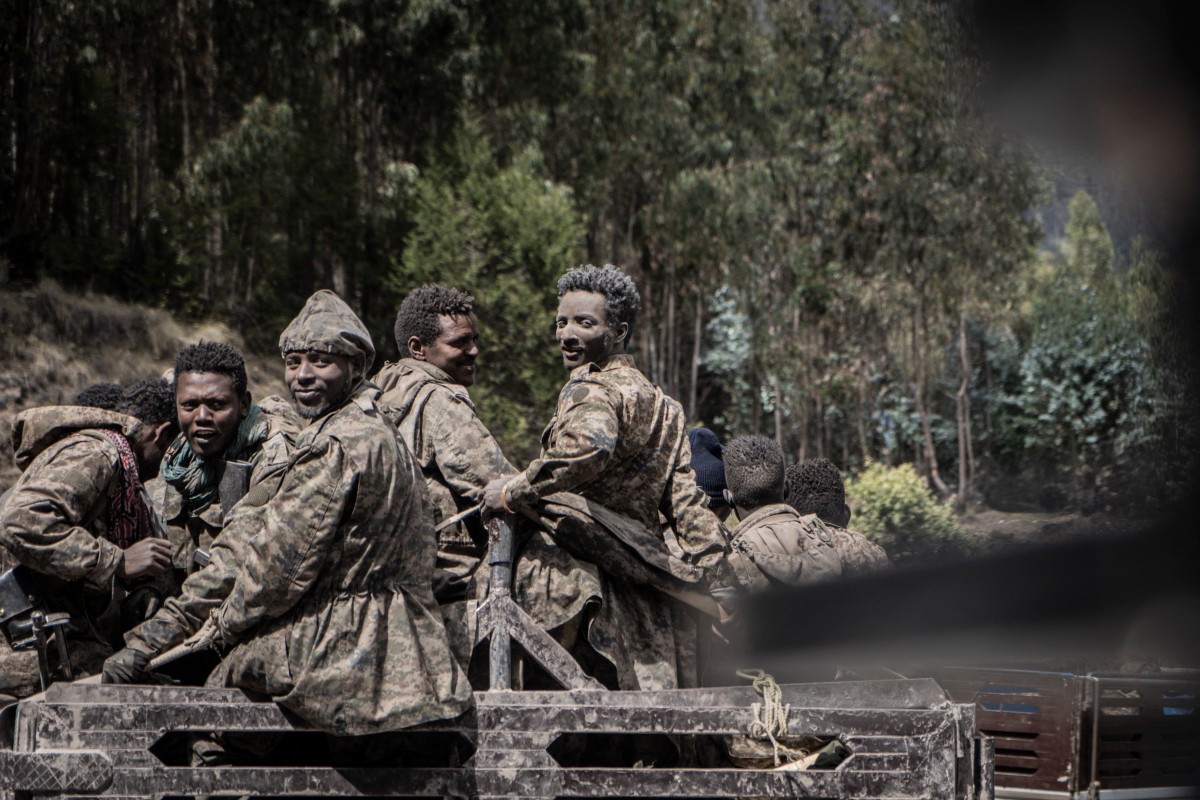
220,426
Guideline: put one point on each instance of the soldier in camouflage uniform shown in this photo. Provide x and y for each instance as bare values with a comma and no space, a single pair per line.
772,544
425,395
77,517
331,609
615,463
219,424
815,487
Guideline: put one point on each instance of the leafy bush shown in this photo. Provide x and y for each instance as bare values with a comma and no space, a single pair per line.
894,507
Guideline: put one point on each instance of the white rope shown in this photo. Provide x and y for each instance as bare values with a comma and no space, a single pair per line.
770,716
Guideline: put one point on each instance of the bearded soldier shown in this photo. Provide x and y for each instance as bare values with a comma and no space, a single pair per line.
615,463
77,517
425,395
330,609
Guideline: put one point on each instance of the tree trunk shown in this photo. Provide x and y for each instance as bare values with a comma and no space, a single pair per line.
931,461
962,409
697,339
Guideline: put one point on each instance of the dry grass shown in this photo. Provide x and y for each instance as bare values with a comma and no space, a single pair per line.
54,343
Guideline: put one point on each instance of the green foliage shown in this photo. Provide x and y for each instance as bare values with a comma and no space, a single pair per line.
504,234
893,507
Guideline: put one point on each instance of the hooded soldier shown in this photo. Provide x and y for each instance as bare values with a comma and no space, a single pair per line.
330,609
77,517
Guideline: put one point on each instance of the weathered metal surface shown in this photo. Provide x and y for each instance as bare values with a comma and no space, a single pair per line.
906,738
51,771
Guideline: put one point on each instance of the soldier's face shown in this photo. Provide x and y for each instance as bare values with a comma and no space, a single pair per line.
582,329
209,411
319,381
455,349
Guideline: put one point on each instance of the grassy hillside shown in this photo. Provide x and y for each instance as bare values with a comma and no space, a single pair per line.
54,343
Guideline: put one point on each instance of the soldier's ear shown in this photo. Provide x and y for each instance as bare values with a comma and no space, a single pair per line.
246,403
845,516
621,332
416,348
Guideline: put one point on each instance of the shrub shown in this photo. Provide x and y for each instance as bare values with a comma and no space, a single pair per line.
894,507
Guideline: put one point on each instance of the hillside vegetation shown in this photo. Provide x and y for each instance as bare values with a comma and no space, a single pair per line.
54,343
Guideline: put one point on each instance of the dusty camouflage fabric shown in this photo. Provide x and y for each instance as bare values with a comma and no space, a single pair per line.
458,457
268,460
859,555
54,520
775,546
332,608
615,464
327,324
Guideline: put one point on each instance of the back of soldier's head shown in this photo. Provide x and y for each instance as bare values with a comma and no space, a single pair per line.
152,401
754,471
815,487
420,313
622,301
214,357
100,395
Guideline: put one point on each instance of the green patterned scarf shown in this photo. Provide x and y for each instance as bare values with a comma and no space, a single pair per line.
198,479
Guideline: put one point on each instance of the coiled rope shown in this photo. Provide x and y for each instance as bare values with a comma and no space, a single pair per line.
770,716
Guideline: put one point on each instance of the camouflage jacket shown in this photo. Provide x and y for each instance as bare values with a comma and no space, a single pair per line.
616,439
456,454
615,463
331,604
54,521
776,546
859,555
268,460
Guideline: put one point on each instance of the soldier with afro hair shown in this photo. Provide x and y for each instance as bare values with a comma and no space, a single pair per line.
815,487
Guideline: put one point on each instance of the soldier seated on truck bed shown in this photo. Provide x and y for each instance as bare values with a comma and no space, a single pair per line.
329,609
77,517
425,395
227,446
815,487
615,461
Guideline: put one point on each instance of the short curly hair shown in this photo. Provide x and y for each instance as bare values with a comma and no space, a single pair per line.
815,487
622,301
215,357
100,395
152,401
754,471
419,313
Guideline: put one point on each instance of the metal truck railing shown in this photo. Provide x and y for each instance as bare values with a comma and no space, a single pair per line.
906,738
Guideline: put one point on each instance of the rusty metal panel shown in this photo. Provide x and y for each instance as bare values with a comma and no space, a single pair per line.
1143,731
1032,718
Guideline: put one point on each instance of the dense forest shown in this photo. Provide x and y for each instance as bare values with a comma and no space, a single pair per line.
833,245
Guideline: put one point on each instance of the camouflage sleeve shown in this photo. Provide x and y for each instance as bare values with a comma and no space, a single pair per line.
464,450
583,439
205,589
699,532
285,556
41,523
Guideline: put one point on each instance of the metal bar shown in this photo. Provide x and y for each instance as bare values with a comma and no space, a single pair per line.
500,558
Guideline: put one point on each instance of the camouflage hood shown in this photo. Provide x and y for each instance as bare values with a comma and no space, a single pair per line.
38,428
328,325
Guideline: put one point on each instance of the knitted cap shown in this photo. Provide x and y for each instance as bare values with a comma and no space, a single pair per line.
327,324
708,464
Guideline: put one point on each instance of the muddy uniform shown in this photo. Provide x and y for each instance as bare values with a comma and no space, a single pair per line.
615,461
188,493
859,555
58,520
332,608
458,457
775,546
